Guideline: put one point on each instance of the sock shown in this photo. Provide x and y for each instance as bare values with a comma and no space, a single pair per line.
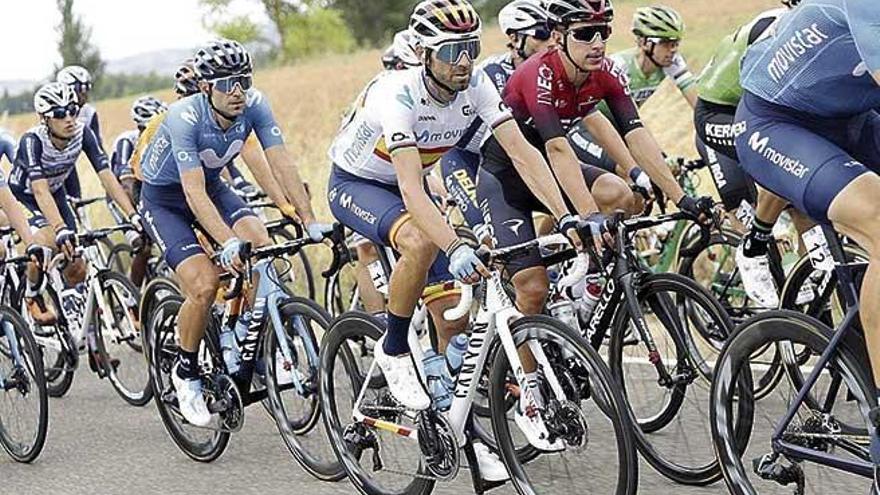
755,242
189,365
396,342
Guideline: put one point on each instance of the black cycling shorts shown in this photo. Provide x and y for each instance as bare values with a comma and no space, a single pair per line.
715,125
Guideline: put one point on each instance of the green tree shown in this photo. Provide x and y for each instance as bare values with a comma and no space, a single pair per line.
241,29
318,30
74,43
278,11
374,22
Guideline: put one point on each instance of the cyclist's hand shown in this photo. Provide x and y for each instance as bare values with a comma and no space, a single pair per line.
65,239
134,239
642,183
700,208
568,225
230,256
316,231
594,230
464,264
39,254
137,222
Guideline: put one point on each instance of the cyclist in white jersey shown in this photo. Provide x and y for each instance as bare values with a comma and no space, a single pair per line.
80,80
401,126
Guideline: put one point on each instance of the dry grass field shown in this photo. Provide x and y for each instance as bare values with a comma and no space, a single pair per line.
310,98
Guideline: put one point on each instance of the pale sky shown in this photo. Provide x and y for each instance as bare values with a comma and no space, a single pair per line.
29,37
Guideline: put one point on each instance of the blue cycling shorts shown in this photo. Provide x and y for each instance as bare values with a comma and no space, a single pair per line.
170,221
803,158
37,220
375,210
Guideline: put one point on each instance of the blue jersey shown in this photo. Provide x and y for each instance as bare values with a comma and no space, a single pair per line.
819,59
38,158
189,137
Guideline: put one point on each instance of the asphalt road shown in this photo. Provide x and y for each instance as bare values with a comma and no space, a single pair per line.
97,444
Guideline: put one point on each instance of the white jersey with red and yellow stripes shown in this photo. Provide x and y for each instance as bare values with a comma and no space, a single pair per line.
396,111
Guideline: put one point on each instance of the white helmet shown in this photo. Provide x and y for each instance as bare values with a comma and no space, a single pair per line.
74,75
434,22
405,45
520,15
145,108
53,95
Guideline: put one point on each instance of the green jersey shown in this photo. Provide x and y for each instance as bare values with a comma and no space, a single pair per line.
719,82
643,86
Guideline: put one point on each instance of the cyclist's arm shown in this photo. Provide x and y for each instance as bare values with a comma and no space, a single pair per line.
95,126
193,182
408,165
435,184
531,167
255,160
15,213
98,159
281,162
864,23
683,78
47,205
567,169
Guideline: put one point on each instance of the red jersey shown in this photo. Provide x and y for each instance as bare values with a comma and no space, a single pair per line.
544,100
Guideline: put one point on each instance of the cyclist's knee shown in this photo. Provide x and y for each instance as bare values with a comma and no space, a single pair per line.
532,286
75,272
611,193
203,290
366,252
414,244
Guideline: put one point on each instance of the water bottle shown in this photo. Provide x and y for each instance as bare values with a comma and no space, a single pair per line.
592,293
564,311
229,348
72,304
435,369
454,357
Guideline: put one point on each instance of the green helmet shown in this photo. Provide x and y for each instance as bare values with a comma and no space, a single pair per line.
658,21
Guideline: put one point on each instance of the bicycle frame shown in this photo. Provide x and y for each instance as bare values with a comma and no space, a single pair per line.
846,282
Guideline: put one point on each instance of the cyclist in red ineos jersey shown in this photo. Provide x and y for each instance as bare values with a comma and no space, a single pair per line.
547,94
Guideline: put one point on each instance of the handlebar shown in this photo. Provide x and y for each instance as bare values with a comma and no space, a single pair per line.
464,303
81,202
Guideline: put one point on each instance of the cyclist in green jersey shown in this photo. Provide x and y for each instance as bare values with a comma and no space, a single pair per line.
659,31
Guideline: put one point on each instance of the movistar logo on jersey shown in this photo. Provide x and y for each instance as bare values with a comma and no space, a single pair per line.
406,98
361,139
190,115
762,146
800,43
432,137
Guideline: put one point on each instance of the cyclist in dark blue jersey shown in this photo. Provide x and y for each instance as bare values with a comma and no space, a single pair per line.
197,138
810,133
80,81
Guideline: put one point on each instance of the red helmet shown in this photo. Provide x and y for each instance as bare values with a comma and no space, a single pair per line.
570,11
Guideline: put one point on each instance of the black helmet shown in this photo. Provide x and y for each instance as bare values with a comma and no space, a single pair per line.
222,58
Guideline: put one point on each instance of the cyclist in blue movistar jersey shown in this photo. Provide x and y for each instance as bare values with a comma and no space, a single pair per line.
197,138
809,131
80,80
46,157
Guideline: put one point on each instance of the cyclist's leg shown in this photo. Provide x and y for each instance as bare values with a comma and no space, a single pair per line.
72,185
590,153
610,191
372,300
734,186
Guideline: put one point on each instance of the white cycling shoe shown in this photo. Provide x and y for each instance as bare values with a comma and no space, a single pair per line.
491,467
403,378
756,279
528,419
190,399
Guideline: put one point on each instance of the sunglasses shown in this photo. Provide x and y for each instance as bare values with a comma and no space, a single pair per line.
82,87
539,33
591,34
71,110
452,52
227,84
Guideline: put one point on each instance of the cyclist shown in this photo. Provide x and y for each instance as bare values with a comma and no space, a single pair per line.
808,131
7,145
403,124
142,111
548,93
80,80
659,32
719,92
46,156
525,23
402,52
197,137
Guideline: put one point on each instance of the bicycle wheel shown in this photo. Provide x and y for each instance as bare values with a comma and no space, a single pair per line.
844,389
668,391
155,292
348,371
297,413
200,444
340,292
119,259
297,269
586,413
118,339
57,346
24,400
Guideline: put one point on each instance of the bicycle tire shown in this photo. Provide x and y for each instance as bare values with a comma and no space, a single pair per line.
603,389
35,375
59,377
163,328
